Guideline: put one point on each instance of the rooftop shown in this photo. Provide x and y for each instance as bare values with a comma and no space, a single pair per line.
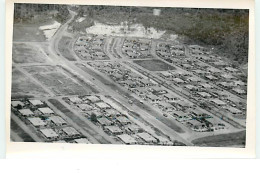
127,139
70,131
46,110
37,121
26,112
49,133
35,102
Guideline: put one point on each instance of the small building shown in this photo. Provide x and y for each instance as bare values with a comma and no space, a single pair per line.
104,121
75,100
37,122
232,70
147,137
85,107
225,84
227,76
123,120
57,120
210,77
153,98
206,86
49,133
178,80
26,112
233,110
133,128
204,94
70,131
197,126
36,102
111,112
46,110
239,91
218,102
191,87
102,105
164,141
127,139
114,130
193,79
92,98
169,97
16,103
82,141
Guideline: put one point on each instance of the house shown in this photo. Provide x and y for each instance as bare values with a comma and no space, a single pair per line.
214,70
178,80
233,110
147,137
165,106
165,74
104,121
85,107
57,120
70,131
206,86
225,84
111,112
123,120
102,105
204,94
37,122
82,141
36,102
200,72
218,102
186,66
26,112
95,112
191,87
113,130
215,125
75,100
193,79
92,98
232,70
239,91
163,141
16,103
49,133
133,128
127,139
210,77
46,110
227,76
239,83
169,97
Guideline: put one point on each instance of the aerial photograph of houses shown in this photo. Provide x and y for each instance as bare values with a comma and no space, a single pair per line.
96,74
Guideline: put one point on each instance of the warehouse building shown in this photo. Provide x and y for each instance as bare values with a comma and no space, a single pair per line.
127,139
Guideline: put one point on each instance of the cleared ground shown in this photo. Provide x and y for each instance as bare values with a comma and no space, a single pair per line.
28,33
27,53
223,140
154,65
20,132
65,47
22,86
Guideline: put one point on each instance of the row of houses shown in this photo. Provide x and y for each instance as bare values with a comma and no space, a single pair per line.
136,48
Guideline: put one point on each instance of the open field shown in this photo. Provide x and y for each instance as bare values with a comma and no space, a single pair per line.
58,81
223,140
22,86
28,33
27,53
65,48
154,65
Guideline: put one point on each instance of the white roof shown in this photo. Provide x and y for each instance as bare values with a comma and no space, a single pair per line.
49,133
46,110
26,112
75,99
113,129
123,119
92,98
145,136
133,127
85,106
37,121
35,102
234,110
82,141
57,120
127,138
70,131
238,90
104,121
102,105
204,94
217,101
16,103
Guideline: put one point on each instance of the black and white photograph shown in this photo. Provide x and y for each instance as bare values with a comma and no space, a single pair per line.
129,75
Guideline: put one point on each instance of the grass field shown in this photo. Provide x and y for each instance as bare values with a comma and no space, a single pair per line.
27,53
223,140
23,86
65,47
58,81
154,65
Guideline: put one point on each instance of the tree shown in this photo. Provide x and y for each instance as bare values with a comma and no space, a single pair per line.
93,117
